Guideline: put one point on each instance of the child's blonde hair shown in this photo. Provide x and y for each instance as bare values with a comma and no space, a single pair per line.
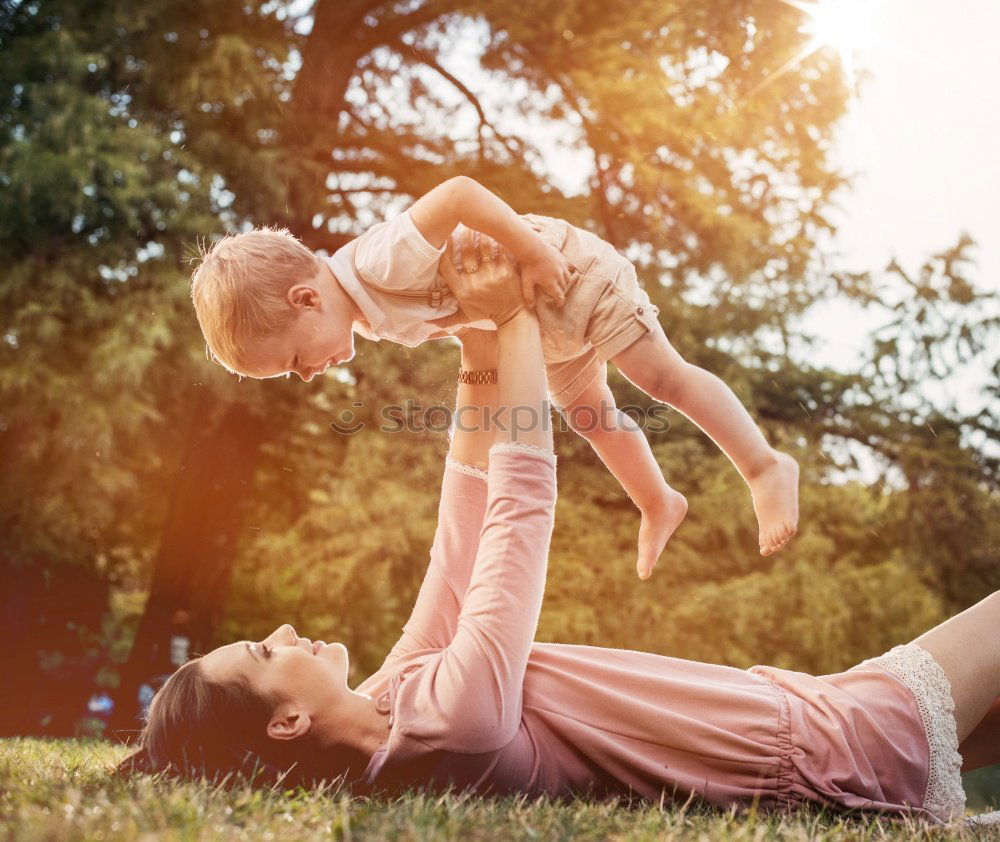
239,289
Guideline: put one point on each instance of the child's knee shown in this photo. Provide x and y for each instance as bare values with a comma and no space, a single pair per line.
582,417
667,383
596,421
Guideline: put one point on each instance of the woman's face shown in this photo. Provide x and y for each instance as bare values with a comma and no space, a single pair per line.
307,680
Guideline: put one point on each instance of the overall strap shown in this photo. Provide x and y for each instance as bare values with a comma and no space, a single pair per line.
432,296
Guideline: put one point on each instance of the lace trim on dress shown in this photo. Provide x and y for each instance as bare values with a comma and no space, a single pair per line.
464,468
923,676
522,447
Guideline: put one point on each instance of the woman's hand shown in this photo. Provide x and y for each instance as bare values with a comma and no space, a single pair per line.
490,290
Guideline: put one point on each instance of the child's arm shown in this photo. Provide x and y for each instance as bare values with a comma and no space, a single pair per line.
462,199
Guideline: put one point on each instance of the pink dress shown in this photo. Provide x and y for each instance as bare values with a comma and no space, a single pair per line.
475,703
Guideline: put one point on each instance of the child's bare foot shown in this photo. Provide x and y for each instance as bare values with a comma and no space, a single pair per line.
775,493
659,521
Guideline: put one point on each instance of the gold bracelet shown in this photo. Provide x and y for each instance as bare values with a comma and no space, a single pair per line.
477,377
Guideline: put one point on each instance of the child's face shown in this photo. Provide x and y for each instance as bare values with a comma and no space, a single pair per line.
320,334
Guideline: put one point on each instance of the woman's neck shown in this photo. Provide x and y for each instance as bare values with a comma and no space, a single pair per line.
356,724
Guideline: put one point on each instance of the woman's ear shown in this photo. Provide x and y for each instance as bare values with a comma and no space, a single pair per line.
288,724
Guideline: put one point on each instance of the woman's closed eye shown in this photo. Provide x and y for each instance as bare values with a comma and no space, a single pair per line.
267,650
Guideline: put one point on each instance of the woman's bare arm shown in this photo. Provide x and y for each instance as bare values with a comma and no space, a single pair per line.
515,351
461,509
475,403
433,620
522,387
516,408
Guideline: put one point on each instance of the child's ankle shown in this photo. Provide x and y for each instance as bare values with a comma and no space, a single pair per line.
658,501
762,464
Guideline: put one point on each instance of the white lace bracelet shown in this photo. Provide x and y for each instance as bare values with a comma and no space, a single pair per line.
465,468
522,447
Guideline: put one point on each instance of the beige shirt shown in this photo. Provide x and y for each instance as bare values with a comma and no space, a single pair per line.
391,272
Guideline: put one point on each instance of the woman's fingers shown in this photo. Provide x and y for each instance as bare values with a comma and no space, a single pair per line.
467,251
477,248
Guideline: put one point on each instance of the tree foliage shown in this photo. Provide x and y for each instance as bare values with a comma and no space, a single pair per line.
129,133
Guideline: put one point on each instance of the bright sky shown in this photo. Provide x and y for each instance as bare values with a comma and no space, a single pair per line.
924,137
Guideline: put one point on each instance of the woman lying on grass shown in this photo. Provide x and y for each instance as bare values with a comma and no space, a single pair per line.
467,698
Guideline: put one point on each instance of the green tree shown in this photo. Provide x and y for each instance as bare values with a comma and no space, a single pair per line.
129,133
124,451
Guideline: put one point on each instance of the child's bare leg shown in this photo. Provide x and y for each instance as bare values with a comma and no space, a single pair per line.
653,365
623,447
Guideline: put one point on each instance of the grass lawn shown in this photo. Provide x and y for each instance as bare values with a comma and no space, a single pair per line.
55,790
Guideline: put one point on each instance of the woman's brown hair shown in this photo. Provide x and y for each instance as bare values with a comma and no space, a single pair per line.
198,728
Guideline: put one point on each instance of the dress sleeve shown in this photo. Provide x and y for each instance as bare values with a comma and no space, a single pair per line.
434,618
468,697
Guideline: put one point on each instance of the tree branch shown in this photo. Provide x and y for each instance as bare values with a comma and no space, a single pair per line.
388,31
424,56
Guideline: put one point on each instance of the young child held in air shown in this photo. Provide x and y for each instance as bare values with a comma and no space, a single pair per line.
267,305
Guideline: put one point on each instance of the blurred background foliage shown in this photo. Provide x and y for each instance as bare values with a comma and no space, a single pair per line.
146,495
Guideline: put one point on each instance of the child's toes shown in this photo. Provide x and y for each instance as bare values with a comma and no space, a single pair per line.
773,541
772,538
779,538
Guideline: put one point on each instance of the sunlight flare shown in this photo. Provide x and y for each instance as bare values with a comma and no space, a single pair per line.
842,25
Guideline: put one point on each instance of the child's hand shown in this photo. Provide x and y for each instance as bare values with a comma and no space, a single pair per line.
548,270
